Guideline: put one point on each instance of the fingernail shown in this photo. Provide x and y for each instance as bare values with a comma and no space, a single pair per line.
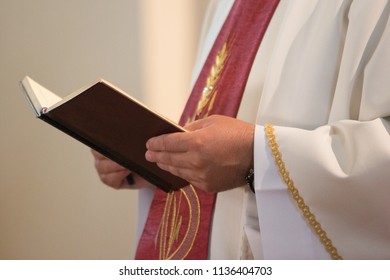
147,155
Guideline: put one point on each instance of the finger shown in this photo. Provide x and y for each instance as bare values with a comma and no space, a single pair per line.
189,175
174,142
110,172
174,159
100,159
181,172
115,179
106,165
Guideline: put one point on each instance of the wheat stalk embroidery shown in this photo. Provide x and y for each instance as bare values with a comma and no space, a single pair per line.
209,92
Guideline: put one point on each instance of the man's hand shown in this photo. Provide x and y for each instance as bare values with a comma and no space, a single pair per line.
215,155
110,173
114,175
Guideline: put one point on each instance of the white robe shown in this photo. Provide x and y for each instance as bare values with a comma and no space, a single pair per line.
321,78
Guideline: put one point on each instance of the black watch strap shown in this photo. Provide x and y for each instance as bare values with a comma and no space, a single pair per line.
250,179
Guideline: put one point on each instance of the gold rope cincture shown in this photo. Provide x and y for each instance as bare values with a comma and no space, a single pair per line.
172,207
309,216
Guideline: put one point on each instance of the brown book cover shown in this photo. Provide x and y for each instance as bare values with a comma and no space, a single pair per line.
108,120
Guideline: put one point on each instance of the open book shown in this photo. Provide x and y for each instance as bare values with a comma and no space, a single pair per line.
109,121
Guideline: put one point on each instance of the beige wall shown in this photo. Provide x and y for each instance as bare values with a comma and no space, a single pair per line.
52,205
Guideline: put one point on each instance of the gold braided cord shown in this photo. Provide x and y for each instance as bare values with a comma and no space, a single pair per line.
309,216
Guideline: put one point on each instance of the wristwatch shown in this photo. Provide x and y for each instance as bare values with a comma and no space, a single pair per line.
250,178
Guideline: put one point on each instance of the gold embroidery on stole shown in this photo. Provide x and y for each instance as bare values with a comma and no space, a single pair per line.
172,221
209,93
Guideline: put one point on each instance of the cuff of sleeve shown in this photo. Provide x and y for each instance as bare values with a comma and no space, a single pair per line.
284,232
264,164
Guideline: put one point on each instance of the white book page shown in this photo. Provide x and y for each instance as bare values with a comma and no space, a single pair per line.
38,96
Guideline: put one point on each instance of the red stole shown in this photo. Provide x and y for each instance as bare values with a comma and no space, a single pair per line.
179,223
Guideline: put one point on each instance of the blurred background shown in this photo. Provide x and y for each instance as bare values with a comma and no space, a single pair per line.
52,204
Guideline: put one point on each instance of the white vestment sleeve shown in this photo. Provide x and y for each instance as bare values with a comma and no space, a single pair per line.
284,232
341,172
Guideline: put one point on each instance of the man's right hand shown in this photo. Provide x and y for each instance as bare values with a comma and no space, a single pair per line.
114,175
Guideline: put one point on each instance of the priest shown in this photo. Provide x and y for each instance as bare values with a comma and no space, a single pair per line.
288,148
